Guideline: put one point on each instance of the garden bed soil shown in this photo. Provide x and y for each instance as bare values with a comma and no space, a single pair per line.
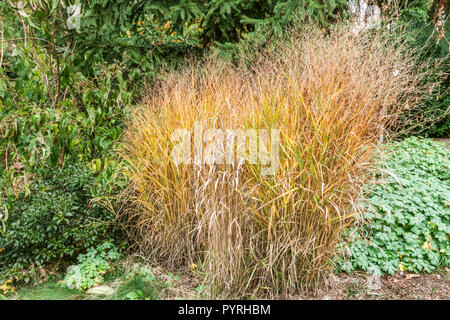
401,286
445,140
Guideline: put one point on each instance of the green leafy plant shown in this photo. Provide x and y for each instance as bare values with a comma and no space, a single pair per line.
141,284
413,11
91,267
407,218
137,295
58,127
54,220
55,162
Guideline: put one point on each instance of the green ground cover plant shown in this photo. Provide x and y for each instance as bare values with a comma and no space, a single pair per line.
141,284
91,267
406,225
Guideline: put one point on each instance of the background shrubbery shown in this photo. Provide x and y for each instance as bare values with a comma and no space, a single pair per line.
432,118
438,105
54,220
91,266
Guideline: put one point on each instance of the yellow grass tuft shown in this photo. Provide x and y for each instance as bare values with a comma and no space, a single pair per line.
330,96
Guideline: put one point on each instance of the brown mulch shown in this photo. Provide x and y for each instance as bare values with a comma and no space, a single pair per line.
445,140
401,286
359,285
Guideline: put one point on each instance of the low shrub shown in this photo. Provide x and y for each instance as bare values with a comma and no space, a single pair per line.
54,220
407,217
54,162
91,267
331,96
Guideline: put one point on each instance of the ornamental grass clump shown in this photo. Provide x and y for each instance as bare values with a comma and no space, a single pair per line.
254,227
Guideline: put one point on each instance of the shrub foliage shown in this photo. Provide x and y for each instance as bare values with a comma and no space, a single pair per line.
54,220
